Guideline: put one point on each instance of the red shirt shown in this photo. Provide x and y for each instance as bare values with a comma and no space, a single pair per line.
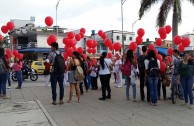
47,66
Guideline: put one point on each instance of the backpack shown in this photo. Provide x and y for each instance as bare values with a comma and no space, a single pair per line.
59,64
3,68
126,69
153,69
84,66
141,64
79,74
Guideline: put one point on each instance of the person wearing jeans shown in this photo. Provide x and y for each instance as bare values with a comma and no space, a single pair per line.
186,78
128,83
17,69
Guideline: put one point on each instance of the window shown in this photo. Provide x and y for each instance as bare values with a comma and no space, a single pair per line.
124,38
38,63
118,37
103,47
130,38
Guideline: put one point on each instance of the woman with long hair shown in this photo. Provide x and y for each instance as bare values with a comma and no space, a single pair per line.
17,67
104,73
74,62
130,61
118,66
152,66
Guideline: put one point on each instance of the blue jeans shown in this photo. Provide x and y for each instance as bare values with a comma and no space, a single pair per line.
180,87
9,80
4,78
187,84
19,78
153,84
128,83
89,80
54,79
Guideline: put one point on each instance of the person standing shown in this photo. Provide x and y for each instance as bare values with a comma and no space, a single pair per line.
134,77
104,73
93,75
4,68
118,66
89,71
57,73
85,69
152,67
186,78
141,67
17,67
66,83
114,72
74,62
47,71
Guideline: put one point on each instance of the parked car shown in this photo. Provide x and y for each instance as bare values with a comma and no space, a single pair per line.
38,66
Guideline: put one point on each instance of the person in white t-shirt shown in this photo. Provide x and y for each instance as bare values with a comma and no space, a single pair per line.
66,83
114,72
105,74
118,65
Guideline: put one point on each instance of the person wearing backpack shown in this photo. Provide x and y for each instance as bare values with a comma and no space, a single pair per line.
186,77
57,73
4,73
141,67
152,67
126,71
104,73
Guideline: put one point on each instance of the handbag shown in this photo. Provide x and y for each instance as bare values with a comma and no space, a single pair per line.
79,74
166,81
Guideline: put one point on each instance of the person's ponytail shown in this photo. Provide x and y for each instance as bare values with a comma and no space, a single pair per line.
104,54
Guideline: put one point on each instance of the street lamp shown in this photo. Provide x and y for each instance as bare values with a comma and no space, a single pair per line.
56,16
123,46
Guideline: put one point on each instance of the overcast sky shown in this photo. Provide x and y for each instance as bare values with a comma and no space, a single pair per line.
93,14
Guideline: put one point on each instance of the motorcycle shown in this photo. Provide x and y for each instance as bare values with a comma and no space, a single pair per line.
26,74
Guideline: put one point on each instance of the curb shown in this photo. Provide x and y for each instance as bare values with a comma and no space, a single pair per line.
50,119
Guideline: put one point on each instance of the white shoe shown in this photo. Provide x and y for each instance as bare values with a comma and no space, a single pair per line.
134,100
119,86
9,87
190,106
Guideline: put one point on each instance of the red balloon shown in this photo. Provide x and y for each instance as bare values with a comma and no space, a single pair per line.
186,42
93,51
170,51
94,44
117,46
10,25
159,57
51,39
162,66
66,48
181,48
156,51
151,47
109,55
20,56
65,56
71,43
4,29
89,50
89,43
70,35
81,34
80,50
15,52
65,40
168,29
69,52
84,56
169,59
141,32
139,40
103,36
8,52
1,38
74,48
133,46
78,37
108,42
177,40
163,36
83,30
49,21
162,31
94,61
159,42
100,32
9,56
111,47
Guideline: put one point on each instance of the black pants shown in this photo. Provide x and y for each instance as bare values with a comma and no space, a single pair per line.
105,81
142,85
85,82
81,87
94,83
163,89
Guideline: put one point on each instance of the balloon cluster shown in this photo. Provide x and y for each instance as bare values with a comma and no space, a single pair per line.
181,42
5,28
91,44
14,53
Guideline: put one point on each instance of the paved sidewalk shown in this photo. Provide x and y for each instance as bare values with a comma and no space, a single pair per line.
114,112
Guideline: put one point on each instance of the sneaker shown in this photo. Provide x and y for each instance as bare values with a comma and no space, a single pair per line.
127,99
6,97
155,104
134,100
18,88
190,106
9,87
54,103
119,86
61,102
102,99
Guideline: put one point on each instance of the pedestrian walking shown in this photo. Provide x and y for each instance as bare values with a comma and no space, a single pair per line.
17,67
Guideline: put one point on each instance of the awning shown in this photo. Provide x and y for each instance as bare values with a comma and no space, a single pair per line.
162,50
43,50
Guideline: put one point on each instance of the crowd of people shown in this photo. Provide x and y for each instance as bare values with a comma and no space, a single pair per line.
79,71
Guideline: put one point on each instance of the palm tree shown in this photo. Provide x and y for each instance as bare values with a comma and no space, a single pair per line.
166,6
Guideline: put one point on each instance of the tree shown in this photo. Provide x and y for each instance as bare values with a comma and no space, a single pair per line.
165,8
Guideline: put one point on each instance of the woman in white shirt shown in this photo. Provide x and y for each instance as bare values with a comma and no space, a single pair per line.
152,66
105,75
118,65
